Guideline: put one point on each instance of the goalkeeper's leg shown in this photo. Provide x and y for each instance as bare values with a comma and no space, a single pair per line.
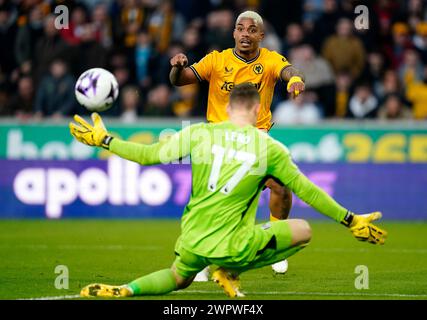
285,239
280,206
156,283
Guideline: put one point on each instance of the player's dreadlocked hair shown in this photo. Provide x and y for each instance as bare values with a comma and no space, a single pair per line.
244,94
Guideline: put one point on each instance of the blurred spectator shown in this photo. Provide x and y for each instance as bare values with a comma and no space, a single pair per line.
88,53
411,69
143,58
343,83
158,102
271,41
294,37
49,47
417,94
363,104
280,13
73,34
4,100
400,42
320,77
344,51
312,11
326,24
318,70
420,41
375,66
393,109
389,84
103,25
165,25
129,104
415,12
55,95
220,25
192,45
21,103
185,100
28,35
297,111
8,32
132,18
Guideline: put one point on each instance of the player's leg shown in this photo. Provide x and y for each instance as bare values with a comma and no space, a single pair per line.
272,242
286,237
179,276
156,283
280,200
280,206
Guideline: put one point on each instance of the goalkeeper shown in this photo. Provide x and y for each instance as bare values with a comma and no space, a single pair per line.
230,163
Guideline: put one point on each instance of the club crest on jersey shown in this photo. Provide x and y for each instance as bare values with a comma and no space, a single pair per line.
258,68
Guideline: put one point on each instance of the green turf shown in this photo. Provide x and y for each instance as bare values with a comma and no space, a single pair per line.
116,252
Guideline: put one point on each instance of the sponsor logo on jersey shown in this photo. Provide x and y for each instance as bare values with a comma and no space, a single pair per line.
229,85
228,70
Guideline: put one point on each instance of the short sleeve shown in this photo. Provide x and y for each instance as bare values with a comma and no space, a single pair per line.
279,63
203,68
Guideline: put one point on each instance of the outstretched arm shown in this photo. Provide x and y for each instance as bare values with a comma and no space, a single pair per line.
173,148
180,75
288,173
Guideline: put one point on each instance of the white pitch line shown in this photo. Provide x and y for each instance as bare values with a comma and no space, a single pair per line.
81,247
270,293
54,298
295,293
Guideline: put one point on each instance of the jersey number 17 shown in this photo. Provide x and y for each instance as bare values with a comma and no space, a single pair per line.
247,159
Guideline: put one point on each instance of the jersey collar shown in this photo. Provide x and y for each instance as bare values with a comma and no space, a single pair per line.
243,59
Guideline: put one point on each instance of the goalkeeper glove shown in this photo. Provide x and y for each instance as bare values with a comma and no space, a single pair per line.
362,228
95,135
295,85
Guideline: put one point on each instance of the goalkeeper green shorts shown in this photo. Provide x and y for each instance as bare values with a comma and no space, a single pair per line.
270,243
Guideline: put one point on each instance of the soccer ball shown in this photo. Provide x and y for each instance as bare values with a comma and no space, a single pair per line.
96,89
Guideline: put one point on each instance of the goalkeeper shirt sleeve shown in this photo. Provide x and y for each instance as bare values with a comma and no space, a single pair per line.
284,169
172,148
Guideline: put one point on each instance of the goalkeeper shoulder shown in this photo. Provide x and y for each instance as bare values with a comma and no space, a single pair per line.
96,135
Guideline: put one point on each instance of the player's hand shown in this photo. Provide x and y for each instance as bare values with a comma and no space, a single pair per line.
180,61
364,230
92,135
295,86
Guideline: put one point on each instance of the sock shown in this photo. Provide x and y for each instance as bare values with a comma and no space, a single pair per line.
273,218
159,282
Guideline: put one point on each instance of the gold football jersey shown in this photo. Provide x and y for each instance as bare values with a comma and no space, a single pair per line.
225,69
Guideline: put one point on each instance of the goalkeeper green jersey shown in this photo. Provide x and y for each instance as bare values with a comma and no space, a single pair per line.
230,165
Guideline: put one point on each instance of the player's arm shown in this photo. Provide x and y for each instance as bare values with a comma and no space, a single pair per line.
173,148
295,80
360,225
180,74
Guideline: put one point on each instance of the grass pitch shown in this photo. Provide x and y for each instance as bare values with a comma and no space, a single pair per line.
116,252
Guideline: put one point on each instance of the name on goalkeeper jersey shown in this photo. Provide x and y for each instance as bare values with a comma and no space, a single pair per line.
237,137
229,85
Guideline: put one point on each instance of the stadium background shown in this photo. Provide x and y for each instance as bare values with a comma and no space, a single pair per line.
359,130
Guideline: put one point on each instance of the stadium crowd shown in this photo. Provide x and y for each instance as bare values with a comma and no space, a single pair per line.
379,72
